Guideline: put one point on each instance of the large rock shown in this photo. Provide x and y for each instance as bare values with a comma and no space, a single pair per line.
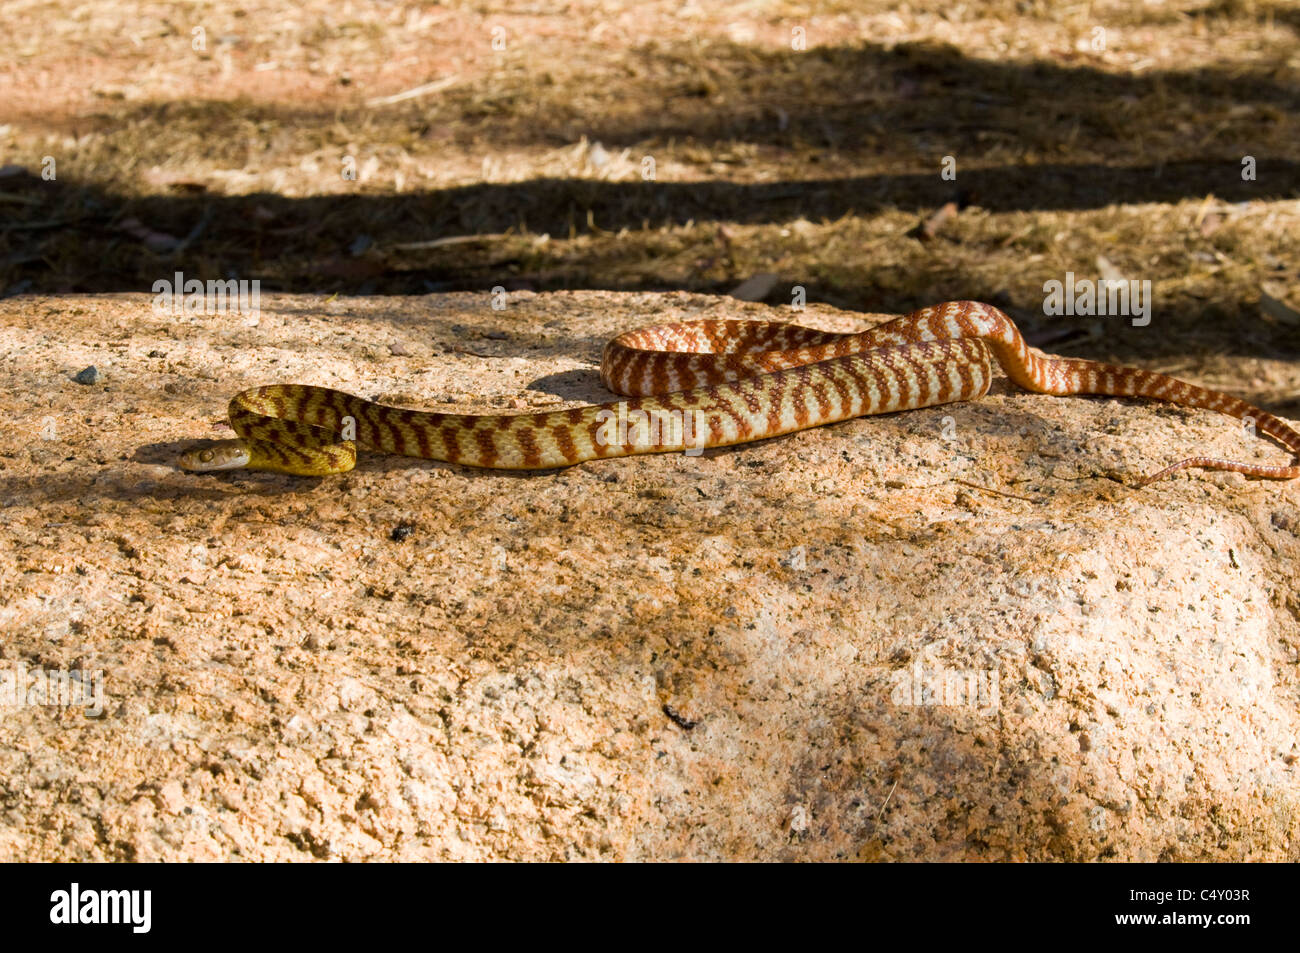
726,656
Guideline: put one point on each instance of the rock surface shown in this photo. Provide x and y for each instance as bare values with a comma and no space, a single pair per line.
727,656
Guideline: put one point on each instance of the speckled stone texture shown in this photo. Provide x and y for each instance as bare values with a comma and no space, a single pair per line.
826,646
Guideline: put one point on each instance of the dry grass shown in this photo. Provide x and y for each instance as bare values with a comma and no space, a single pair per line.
815,164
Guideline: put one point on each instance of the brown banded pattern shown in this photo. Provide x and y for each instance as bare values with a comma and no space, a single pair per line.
740,380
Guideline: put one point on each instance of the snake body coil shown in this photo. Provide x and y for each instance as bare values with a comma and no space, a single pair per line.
710,383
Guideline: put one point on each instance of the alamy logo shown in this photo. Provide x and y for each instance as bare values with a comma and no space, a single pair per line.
669,429
179,295
1105,296
21,687
103,907
943,687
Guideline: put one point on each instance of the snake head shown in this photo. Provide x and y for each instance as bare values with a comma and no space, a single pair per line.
225,455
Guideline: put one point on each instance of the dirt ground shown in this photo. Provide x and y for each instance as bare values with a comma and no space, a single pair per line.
815,163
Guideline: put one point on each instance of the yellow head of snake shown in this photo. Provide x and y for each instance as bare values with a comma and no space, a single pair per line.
225,455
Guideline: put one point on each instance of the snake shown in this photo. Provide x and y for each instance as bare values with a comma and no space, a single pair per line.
709,383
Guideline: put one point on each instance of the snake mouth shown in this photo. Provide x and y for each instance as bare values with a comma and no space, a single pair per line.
227,455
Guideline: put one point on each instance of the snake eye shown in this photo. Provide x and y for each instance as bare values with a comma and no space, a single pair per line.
205,456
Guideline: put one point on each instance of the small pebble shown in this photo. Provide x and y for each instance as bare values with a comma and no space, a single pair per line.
89,375
402,532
